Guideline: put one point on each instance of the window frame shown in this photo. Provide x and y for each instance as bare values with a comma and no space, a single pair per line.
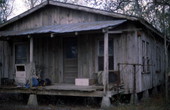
27,51
158,59
145,57
102,56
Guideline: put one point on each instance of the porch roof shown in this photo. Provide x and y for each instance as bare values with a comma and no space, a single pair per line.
65,28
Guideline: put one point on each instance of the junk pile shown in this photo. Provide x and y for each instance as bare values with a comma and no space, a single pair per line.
38,82
27,75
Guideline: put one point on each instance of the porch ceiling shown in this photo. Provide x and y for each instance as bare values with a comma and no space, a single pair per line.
65,28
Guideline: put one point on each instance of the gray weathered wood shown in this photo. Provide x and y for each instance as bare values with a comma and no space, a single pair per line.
106,63
31,50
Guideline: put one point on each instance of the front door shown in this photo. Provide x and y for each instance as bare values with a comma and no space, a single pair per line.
70,59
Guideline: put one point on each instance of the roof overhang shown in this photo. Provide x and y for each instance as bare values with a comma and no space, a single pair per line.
65,28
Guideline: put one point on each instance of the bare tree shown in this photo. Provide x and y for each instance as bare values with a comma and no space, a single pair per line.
6,8
32,3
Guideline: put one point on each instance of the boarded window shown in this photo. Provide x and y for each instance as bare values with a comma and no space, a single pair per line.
158,59
145,57
20,53
101,55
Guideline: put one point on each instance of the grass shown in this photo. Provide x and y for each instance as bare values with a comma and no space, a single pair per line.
156,102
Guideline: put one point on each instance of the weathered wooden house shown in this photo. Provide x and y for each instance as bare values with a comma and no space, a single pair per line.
73,44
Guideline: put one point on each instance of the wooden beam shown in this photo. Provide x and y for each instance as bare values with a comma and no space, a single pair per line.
124,30
115,32
106,63
31,50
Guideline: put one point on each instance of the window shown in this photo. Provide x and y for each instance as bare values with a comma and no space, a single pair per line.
20,53
101,55
71,48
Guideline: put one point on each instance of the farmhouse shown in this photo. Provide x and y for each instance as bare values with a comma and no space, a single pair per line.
82,51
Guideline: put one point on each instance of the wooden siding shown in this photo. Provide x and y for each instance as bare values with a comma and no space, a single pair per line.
125,52
153,78
7,60
1,58
48,55
86,56
51,15
128,50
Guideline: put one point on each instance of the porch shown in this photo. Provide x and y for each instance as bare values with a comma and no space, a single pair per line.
63,53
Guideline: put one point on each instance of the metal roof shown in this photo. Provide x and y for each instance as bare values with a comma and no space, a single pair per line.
65,28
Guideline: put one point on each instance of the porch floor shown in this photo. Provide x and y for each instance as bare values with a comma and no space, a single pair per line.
57,89
60,89
74,87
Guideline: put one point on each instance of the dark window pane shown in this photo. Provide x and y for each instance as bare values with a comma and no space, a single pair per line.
101,48
20,68
71,48
101,63
111,48
101,53
21,51
20,54
110,62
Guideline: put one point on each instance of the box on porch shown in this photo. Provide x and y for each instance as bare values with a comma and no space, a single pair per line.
84,81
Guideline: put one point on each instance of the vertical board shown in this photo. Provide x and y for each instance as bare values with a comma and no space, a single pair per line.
57,15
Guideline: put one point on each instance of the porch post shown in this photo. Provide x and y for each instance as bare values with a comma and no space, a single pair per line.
31,50
106,98
106,63
31,61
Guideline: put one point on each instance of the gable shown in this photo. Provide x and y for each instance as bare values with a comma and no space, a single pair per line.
54,13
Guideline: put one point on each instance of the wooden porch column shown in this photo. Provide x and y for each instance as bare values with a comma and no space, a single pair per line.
31,61
31,50
106,100
106,63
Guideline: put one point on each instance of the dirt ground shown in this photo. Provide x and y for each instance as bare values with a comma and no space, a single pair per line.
19,102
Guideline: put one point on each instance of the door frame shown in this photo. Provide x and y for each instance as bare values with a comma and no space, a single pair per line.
65,39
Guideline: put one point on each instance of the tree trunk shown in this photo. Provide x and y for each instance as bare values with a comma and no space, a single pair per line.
137,9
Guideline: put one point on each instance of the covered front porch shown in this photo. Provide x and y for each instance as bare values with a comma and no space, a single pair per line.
64,53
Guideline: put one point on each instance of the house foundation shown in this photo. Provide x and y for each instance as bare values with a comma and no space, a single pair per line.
154,91
32,101
145,95
134,98
105,102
